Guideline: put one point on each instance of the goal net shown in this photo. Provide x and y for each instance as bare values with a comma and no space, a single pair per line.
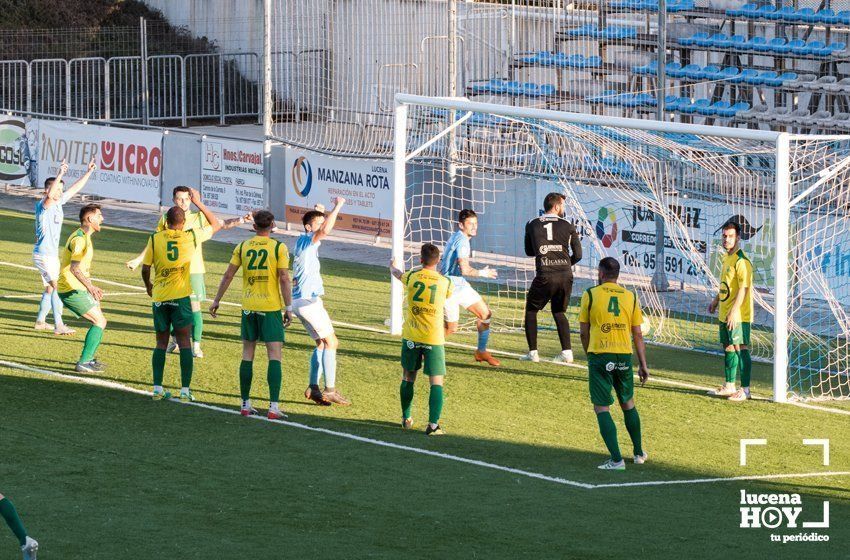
654,195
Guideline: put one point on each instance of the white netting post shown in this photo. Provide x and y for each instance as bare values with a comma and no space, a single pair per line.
781,270
399,187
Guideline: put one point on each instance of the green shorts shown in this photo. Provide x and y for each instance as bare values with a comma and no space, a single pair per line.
79,302
265,326
199,289
414,353
607,371
739,335
174,313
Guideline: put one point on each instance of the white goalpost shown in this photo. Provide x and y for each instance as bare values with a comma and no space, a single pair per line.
788,193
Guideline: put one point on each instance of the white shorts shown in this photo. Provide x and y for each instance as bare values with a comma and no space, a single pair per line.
314,317
48,267
463,296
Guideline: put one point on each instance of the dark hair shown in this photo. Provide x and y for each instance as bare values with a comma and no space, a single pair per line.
263,220
88,209
610,268
732,224
310,216
49,182
181,188
465,214
551,200
175,216
430,254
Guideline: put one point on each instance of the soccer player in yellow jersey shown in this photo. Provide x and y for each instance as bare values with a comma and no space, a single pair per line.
609,318
198,222
423,334
265,278
76,289
170,253
734,303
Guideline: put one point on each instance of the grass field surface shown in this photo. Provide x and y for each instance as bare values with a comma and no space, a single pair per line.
101,472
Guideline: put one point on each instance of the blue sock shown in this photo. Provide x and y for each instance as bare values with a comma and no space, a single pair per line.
43,308
316,366
56,304
329,364
483,337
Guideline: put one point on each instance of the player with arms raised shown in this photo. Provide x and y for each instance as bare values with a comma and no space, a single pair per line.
455,265
264,262
734,304
170,253
423,335
555,245
609,318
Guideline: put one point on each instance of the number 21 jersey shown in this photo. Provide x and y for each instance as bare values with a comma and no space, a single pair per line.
425,295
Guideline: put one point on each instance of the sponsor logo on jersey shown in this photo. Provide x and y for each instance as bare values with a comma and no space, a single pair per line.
547,248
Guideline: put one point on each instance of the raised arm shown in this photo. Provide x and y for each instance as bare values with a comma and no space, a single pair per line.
233,222
50,195
81,182
195,197
222,288
330,221
395,270
575,247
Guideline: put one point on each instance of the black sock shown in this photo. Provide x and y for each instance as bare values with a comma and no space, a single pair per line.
563,326
531,329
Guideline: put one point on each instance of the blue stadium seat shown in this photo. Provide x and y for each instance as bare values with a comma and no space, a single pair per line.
817,48
498,86
694,107
674,69
843,17
710,110
593,62
645,99
766,12
836,47
746,75
530,89
674,103
797,46
755,43
628,100
720,40
680,5
807,15
710,72
690,41
602,96
784,77
779,45
480,87
702,40
729,73
571,61
737,41
738,12
514,88
826,16
692,71
732,111
787,13
548,89
766,77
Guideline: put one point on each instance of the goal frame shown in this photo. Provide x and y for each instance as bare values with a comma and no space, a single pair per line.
779,140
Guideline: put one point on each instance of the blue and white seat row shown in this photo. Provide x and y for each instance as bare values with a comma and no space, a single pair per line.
790,14
610,32
563,60
672,103
777,45
652,5
529,89
731,74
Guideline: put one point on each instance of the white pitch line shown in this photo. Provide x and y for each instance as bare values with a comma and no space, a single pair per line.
661,380
37,296
427,452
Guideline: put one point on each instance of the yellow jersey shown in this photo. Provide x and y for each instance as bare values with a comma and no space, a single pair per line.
612,311
170,253
736,274
260,259
425,295
198,222
78,248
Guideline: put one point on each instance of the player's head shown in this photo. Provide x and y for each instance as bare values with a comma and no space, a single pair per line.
263,221
313,220
175,217
609,270
429,255
554,203
49,183
181,197
730,233
467,221
92,216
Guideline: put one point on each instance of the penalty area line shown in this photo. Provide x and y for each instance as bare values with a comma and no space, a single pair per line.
661,380
417,450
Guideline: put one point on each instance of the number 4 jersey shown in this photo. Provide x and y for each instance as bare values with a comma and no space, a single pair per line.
169,252
426,292
612,311
260,259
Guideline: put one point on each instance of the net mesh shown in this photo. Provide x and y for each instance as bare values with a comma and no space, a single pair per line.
626,189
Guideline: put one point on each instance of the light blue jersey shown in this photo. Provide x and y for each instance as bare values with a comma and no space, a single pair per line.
306,269
457,248
48,227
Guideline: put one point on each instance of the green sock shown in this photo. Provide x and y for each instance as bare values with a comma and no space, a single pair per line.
609,434
197,325
246,375
275,378
186,362
731,363
406,393
632,419
10,514
435,404
158,364
93,338
746,362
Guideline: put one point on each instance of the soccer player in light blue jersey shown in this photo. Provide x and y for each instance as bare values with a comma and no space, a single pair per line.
455,265
309,308
49,216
